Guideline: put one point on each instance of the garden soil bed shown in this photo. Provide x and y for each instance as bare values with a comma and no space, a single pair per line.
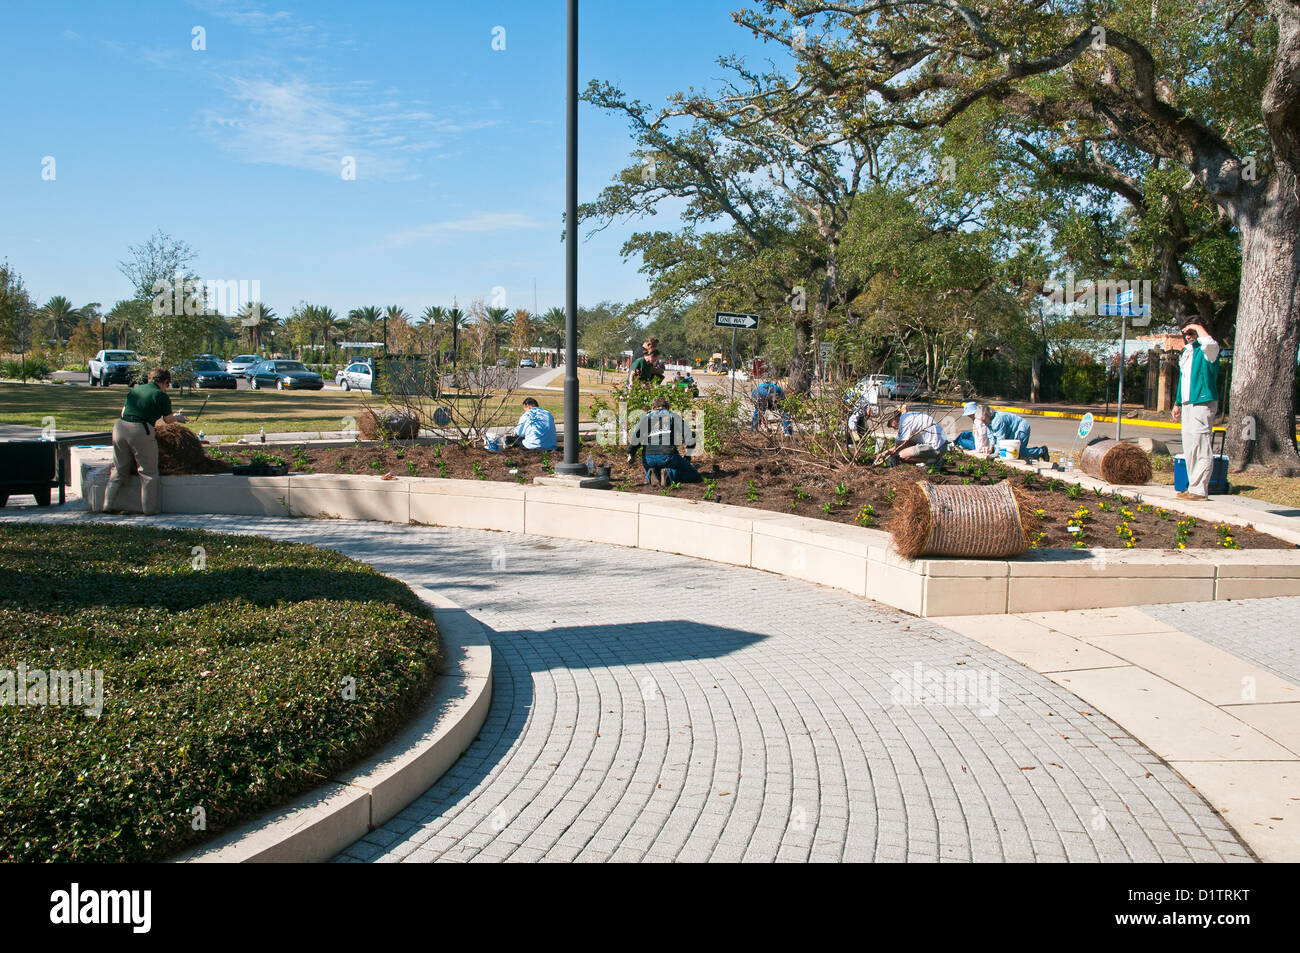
792,483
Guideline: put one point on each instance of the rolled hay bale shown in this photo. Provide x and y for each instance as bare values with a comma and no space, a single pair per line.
1116,462
391,425
974,521
181,452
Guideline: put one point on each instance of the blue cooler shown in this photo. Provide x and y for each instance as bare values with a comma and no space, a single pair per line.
1218,473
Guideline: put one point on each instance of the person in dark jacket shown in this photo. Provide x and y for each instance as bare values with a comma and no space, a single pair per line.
135,447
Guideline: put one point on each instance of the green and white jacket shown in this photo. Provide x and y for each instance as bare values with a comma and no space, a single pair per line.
1198,372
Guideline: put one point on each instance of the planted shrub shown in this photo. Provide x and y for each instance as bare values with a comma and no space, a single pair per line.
225,687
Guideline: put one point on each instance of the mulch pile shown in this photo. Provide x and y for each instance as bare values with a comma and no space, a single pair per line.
393,425
1124,464
972,521
180,452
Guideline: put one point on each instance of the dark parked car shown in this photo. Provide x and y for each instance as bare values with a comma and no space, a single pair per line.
285,375
203,374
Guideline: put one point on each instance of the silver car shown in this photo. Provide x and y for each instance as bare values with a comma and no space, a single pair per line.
240,363
356,376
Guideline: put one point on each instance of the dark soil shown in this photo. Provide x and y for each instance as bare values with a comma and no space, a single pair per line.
792,483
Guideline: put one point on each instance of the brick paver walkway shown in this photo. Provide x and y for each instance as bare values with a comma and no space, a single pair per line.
1265,632
656,707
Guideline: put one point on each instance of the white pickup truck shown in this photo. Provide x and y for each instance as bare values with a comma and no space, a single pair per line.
113,367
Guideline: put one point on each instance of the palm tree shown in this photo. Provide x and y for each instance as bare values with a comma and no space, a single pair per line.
555,324
431,321
256,316
125,314
366,322
497,319
456,319
60,313
397,315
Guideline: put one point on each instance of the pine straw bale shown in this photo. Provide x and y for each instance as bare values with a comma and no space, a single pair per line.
181,452
1116,462
393,425
970,521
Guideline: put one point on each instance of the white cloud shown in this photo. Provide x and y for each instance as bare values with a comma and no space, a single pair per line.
478,222
314,126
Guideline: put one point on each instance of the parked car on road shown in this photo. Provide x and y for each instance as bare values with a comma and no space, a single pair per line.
240,364
528,362
356,376
113,367
285,375
892,387
202,374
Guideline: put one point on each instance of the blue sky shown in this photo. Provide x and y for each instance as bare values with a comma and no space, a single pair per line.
238,148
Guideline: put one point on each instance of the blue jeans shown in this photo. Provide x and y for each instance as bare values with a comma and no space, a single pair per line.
763,407
679,470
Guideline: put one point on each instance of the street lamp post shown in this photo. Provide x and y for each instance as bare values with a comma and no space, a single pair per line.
102,321
571,466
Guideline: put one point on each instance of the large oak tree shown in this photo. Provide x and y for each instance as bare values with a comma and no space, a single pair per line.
1168,79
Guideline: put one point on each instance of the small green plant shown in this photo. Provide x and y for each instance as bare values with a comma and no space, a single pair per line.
375,465
752,493
841,494
411,467
1075,491
1226,539
826,508
479,472
710,489
866,516
891,494
442,468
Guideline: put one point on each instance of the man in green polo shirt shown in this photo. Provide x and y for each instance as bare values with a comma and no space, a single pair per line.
1195,405
134,445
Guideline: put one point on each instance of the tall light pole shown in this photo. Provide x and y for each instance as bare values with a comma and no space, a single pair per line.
571,465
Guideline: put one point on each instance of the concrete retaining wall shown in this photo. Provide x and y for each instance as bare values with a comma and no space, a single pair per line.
857,560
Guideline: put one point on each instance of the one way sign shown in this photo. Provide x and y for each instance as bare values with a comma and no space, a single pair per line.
730,319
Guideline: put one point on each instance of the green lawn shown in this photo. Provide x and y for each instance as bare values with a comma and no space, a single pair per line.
231,413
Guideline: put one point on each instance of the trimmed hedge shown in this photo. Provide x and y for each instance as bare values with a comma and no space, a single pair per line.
223,687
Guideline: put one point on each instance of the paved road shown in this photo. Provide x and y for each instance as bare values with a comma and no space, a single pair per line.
656,707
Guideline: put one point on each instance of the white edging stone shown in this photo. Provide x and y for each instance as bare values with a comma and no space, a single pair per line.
340,812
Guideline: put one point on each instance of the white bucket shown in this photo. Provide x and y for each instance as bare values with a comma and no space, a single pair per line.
1009,449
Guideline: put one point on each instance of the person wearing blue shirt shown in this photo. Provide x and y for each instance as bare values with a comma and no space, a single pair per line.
536,429
992,426
768,396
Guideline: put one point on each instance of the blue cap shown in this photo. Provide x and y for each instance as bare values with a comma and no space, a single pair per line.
969,408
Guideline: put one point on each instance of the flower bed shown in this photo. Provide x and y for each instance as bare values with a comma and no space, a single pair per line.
1063,514
234,678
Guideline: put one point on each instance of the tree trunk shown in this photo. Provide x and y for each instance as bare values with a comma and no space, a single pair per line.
1268,329
801,364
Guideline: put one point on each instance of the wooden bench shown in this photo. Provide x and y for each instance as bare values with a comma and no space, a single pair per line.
31,466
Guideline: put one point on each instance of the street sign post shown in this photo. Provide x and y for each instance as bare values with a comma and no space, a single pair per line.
735,321
1123,309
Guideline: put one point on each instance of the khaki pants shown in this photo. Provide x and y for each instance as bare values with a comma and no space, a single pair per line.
1197,420
135,448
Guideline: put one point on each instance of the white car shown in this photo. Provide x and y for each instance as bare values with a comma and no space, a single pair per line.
528,362
240,363
356,376
891,387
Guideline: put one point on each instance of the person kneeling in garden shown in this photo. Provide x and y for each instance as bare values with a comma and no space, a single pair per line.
536,430
659,433
921,439
769,395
